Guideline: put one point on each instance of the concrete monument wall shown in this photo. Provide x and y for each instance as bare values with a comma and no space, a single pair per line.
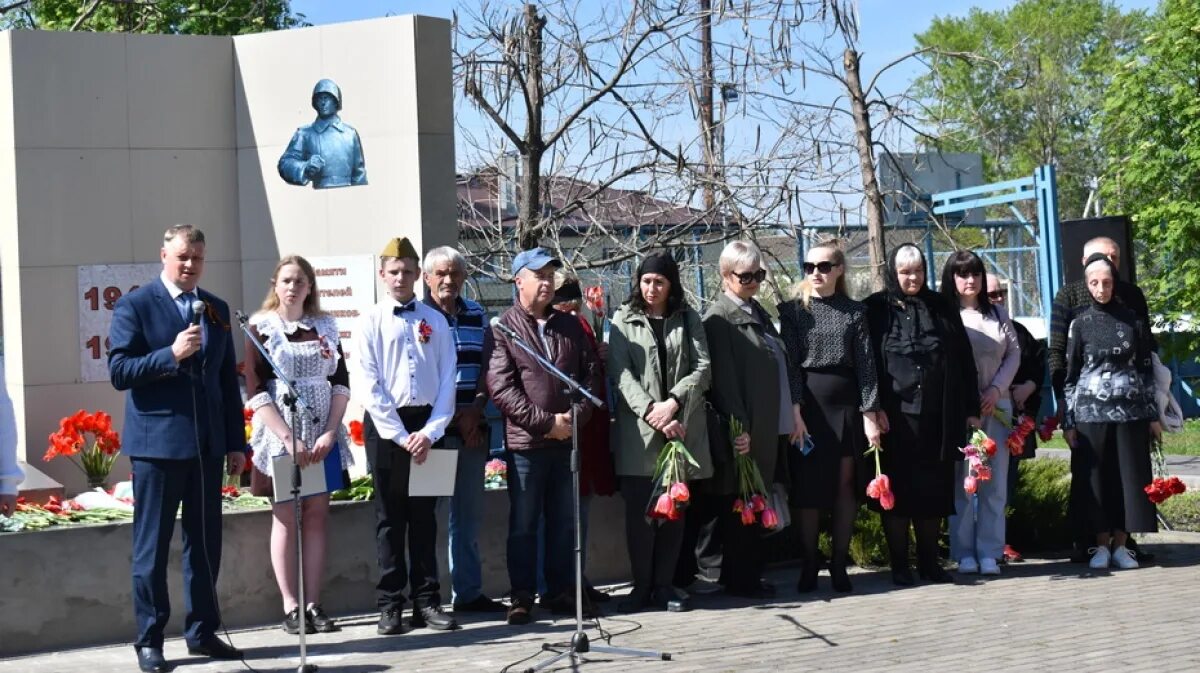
108,139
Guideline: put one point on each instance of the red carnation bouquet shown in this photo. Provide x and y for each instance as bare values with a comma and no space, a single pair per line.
95,459
751,503
1163,486
979,452
1049,425
670,494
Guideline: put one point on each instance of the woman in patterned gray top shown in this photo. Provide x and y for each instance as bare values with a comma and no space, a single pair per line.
1111,414
832,369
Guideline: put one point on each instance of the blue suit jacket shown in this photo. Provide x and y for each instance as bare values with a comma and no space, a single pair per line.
160,419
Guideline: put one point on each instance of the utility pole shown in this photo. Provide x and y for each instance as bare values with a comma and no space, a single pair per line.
707,123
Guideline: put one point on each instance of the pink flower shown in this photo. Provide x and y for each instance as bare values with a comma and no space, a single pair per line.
664,507
679,492
983,473
757,502
738,505
770,519
969,484
887,500
989,445
873,490
747,517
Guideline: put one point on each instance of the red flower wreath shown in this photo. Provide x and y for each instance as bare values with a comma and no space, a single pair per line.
424,331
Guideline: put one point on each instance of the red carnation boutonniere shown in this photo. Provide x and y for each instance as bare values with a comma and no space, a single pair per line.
326,351
424,332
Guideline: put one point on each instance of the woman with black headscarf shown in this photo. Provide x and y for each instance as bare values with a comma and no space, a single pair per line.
1111,415
658,355
929,399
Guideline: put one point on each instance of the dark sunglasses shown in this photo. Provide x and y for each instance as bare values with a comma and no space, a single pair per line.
751,276
823,267
998,295
967,274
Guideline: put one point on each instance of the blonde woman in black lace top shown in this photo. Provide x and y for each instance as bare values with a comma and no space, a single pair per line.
832,370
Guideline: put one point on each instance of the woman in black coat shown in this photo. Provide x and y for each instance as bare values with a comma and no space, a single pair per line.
930,400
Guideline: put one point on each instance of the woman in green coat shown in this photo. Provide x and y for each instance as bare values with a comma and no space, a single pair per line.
658,356
749,383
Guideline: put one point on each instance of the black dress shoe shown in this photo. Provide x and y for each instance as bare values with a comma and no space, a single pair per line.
564,604
215,648
291,623
391,622
150,660
432,616
321,621
636,601
936,574
480,604
671,599
760,589
595,595
521,610
902,576
808,578
839,579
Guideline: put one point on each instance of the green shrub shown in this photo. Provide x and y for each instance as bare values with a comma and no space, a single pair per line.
1182,511
1038,511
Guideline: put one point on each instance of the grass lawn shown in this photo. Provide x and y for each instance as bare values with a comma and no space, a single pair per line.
1183,511
1183,443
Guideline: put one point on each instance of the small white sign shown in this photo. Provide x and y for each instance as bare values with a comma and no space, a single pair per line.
100,286
347,287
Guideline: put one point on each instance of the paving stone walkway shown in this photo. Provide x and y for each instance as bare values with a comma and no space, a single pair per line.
1042,614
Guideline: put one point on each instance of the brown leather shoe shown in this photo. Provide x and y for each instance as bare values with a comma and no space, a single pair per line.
521,610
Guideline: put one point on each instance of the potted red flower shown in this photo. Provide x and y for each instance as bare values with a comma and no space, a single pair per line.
96,458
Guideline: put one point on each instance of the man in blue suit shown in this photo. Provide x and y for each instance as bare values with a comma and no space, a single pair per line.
183,427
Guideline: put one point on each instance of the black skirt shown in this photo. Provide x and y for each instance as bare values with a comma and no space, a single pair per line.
922,483
833,419
1110,465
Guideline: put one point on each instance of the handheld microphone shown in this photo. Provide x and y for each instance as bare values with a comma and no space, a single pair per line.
197,311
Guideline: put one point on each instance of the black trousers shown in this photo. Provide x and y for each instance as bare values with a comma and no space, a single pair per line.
720,536
399,517
701,549
653,547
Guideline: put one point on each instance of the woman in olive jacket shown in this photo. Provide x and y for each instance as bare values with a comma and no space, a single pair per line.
658,356
749,383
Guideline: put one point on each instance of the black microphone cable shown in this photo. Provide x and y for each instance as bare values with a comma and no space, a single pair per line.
212,577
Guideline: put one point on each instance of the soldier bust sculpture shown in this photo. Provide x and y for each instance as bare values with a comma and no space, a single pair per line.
327,152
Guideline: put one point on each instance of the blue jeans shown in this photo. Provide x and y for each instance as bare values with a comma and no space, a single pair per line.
977,529
585,502
466,512
539,484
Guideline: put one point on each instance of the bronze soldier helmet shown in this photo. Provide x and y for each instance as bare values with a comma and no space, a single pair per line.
328,86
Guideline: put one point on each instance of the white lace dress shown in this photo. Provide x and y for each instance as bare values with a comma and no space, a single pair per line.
310,364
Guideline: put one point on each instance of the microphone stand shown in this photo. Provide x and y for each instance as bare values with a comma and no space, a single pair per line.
579,640
291,399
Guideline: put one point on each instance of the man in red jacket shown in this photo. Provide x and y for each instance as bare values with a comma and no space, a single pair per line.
537,425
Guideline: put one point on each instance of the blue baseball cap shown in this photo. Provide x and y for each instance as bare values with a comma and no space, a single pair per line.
533,260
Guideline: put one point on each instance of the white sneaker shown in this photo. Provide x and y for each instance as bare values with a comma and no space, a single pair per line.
1124,558
988,566
1100,558
968,566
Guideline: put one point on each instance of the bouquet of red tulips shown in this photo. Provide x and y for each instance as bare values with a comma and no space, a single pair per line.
670,495
979,452
752,503
1020,432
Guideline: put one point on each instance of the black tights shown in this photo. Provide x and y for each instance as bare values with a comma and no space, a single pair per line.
895,527
845,507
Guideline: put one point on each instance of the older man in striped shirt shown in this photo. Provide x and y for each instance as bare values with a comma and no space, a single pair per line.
445,272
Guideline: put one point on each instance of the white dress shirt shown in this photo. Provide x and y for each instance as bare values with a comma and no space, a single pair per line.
10,474
394,369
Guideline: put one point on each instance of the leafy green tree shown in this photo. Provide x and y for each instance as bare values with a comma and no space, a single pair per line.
191,17
1023,86
1151,125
